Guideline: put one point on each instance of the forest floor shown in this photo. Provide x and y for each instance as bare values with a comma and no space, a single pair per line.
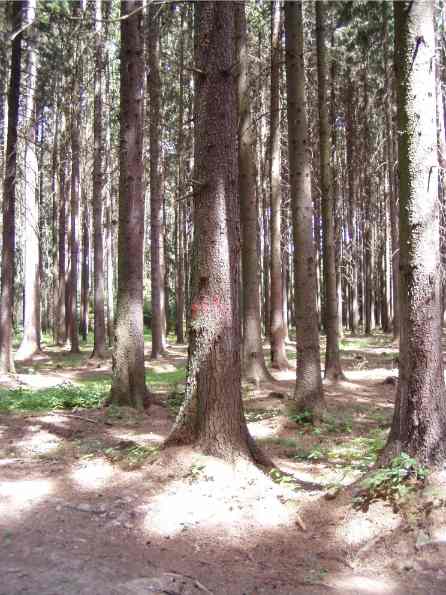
90,504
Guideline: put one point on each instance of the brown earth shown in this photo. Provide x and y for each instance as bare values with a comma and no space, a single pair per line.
90,505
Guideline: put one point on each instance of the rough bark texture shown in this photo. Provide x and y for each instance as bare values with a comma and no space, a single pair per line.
333,370
419,422
9,186
253,361
212,414
61,330
30,344
128,383
75,189
277,331
98,190
308,392
156,199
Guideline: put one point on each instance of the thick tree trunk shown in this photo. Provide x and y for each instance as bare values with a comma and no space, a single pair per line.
212,414
156,198
128,383
253,361
419,422
30,344
9,198
98,190
277,333
308,391
333,369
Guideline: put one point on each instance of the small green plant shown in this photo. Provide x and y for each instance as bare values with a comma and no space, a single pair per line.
175,399
393,483
314,453
260,414
301,417
196,471
283,479
131,457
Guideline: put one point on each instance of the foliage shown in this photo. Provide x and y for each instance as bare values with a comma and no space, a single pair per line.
393,483
62,396
131,457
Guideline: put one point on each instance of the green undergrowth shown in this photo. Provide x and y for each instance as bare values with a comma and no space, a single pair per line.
63,396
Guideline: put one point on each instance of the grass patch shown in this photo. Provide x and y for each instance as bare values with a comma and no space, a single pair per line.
131,457
160,379
63,396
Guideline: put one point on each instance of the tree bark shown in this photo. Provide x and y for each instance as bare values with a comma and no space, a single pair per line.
419,422
99,350
30,344
128,383
156,198
9,199
253,361
212,414
277,333
333,369
308,392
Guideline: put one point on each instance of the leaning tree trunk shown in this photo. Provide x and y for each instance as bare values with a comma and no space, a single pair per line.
30,344
308,392
253,361
156,198
277,331
9,186
212,414
419,422
98,190
333,369
128,383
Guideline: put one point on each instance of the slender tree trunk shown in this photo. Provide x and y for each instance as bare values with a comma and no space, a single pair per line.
253,361
333,369
212,414
85,272
156,198
277,334
308,392
75,188
62,233
419,422
30,344
98,190
9,198
128,383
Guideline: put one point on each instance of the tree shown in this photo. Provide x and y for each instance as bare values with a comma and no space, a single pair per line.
277,331
333,369
308,392
98,190
212,414
254,367
9,195
128,383
156,199
30,344
419,421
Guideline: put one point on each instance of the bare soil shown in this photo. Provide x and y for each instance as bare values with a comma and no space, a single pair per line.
90,505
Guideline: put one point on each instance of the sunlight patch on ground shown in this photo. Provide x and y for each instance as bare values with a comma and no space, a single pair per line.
33,380
19,496
161,367
360,529
259,430
364,585
38,442
143,439
372,374
212,496
92,474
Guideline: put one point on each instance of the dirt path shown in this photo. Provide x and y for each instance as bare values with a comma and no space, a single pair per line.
90,505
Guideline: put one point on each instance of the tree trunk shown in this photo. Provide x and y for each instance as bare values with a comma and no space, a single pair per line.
333,369
75,188
308,392
128,383
9,198
98,190
253,361
156,198
277,334
212,414
30,344
85,272
419,422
